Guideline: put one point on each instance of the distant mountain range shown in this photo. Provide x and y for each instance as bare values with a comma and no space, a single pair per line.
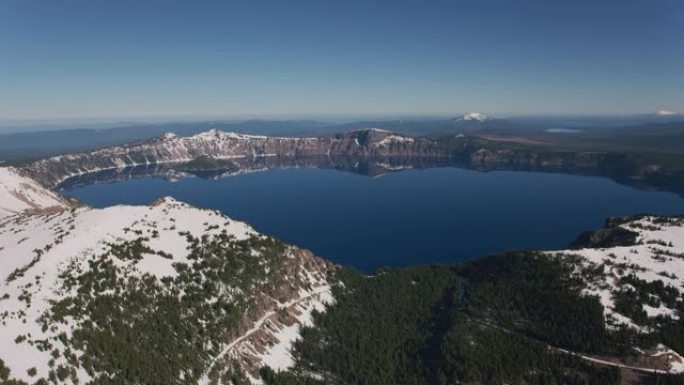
22,145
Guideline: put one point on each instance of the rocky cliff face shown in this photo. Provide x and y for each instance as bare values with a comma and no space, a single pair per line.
221,145
373,148
488,158
216,170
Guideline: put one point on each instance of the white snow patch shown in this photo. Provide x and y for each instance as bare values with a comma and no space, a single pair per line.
390,139
675,361
279,356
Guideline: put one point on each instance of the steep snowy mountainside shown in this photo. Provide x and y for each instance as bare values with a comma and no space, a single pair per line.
100,294
19,194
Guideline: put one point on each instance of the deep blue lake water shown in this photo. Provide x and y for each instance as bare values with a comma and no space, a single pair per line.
405,218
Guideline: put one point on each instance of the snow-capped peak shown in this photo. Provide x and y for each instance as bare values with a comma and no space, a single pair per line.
480,117
666,113
170,135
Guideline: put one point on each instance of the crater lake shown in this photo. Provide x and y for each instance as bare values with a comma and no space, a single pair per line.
435,215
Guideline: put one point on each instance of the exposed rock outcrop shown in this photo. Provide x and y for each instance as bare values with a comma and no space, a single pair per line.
371,149
221,145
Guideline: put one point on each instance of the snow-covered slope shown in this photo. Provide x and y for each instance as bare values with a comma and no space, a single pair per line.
636,269
655,255
19,194
222,283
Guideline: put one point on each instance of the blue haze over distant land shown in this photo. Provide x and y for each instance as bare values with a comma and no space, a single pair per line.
135,59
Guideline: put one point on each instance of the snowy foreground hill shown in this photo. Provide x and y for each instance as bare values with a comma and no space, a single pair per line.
71,279
170,293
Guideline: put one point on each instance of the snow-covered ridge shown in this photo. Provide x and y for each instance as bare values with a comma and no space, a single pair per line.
43,236
214,134
171,148
390,139
37,250
44,239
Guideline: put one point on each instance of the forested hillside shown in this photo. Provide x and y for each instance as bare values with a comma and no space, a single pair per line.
511,318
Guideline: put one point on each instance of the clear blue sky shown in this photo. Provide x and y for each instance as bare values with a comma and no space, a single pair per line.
124,59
